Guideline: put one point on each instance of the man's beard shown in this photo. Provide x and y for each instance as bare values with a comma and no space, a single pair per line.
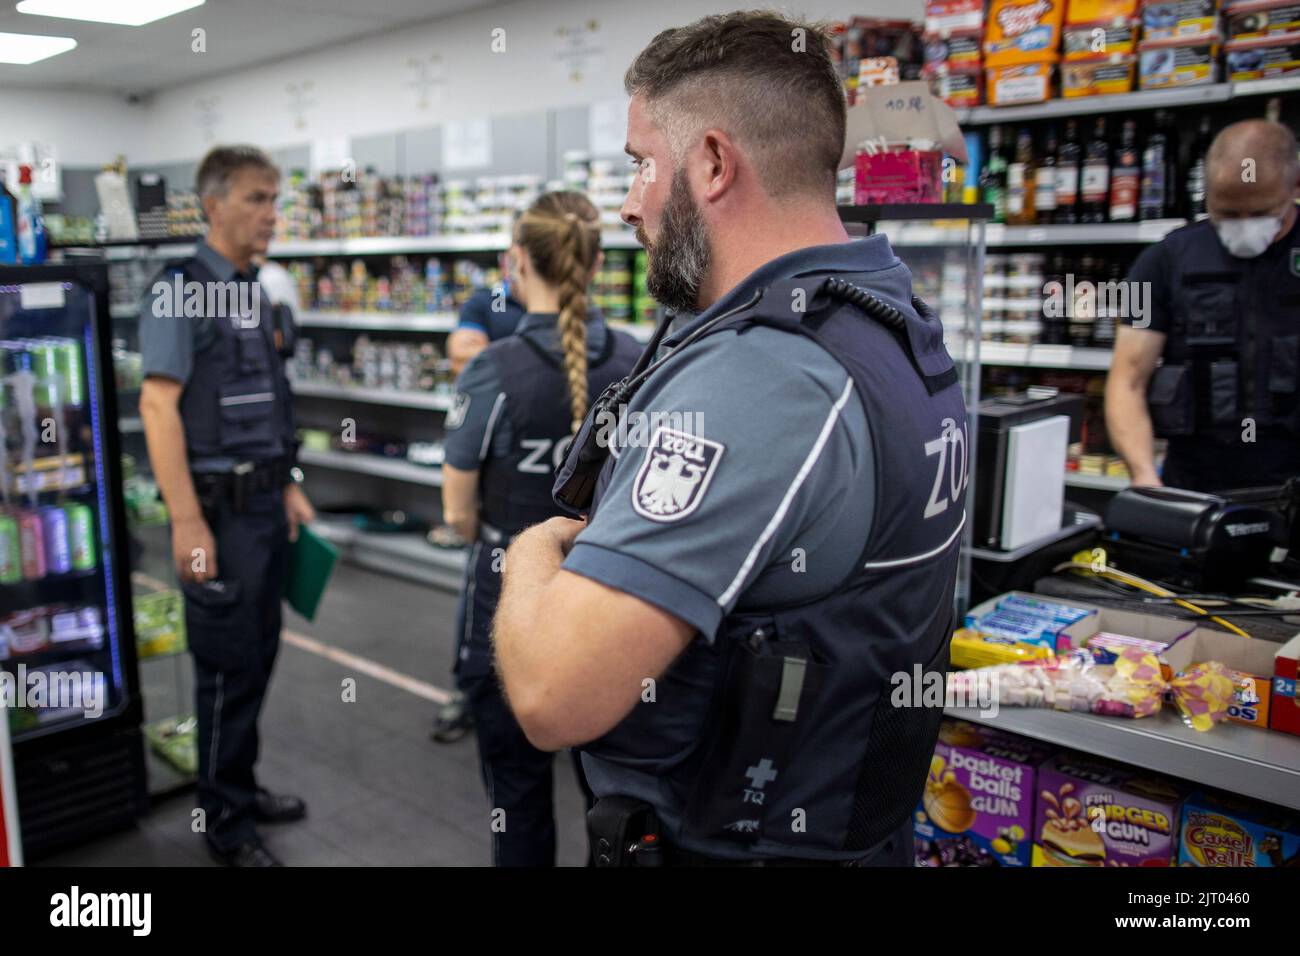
679,259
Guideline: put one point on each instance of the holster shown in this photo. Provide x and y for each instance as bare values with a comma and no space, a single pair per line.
624,831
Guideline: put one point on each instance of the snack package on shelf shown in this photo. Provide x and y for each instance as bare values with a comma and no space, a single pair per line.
1224,830
1262,58
1019,32
1191,61
1093,813
1249,663
1257,18
977,808
1130,686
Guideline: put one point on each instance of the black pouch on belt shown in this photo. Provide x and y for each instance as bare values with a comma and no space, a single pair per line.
768,698
618,827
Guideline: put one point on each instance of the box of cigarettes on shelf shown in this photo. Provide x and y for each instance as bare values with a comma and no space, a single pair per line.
1182,62
1018,84
1179,19
1257,18
1099,75
1262,58
1093,813
1018,32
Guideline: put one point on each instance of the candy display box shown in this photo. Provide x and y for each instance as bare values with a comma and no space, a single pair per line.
1221,830
1284,713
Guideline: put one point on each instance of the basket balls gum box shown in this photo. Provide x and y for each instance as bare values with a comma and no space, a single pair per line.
1284,711
1221,830
978,805
1093,813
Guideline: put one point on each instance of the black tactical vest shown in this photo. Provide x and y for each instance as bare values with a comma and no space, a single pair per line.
236,403
779,735
515,489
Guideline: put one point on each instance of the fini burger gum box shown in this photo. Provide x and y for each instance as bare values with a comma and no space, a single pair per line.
1222,830
978,805
1094,813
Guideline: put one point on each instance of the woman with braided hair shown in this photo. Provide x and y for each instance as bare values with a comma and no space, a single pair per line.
518,404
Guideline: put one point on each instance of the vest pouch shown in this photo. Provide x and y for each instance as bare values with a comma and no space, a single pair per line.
1170,401
1283,379
1223,393
248,420
768,700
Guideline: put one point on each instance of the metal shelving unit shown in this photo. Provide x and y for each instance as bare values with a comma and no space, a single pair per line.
435,401
399,245
379,321
377,465
403,554
1045,356
1245,760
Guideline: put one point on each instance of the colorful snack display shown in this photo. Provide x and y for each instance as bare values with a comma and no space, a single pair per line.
1222,830
1023,31
1183,62
1179,19
1257,18
1263,58
978,805
1092,813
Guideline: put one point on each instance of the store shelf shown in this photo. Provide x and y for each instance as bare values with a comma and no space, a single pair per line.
1281,84
1082,234
395,468
380,321
1092,105
1044,356
1095,482
915,212
395,245
1262,764
406,555
437,401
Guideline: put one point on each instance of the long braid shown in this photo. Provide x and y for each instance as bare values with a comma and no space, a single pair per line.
561,233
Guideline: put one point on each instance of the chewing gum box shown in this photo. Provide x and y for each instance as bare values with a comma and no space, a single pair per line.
1093,813
1023,31
978,805
1223,830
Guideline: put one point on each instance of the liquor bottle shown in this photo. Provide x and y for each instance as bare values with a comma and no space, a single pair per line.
1067,175
1055,317
1021,180
1125,176
993,181
1045,178
1196,172
1094,177
1154,194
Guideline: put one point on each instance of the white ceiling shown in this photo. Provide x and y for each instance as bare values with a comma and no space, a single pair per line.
240,34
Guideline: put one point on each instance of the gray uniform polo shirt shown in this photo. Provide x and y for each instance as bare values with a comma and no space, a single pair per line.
785,507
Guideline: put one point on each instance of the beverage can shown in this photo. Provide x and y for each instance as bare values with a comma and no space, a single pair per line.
68,362
81,536
58,554
11,567
31,543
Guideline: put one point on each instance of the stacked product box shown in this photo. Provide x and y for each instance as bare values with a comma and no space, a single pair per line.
977,808
954,33
1099,47
1180,43
1221,830
1094,813
1263,39
1022,45
1015,626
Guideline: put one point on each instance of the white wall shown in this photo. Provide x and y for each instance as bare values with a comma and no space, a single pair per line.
86,129
371,86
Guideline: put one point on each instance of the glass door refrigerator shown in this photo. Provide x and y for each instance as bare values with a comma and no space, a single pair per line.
68,680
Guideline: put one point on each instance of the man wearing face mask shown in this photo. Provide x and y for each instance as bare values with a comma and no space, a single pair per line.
1212,366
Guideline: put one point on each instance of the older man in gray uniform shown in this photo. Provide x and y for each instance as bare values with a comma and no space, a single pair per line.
217,417
777,533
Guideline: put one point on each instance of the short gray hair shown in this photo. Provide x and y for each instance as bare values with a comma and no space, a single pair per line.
222,162
1272,145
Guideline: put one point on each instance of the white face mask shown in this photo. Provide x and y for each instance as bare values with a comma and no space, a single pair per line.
1248,238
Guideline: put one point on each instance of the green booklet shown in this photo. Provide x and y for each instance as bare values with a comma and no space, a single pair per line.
311,562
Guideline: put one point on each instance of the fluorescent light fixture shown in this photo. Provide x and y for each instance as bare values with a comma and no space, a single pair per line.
23,48
130,13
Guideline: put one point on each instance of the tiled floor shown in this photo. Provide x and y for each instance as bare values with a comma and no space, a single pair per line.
379,791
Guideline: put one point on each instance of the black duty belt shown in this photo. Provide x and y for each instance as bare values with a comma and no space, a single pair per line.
676,856
247,477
